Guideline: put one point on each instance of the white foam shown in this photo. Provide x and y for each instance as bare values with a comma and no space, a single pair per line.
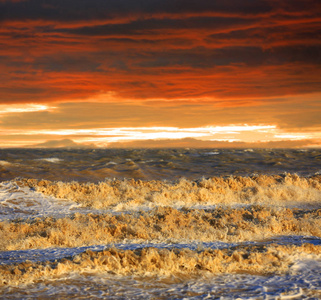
5,163
51,254
22,202
303,282
211,153
51,159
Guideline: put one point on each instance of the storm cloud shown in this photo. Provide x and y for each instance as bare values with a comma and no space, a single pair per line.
68,50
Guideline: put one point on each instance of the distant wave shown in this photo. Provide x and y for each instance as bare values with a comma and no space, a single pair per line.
51,159
211,153
5,163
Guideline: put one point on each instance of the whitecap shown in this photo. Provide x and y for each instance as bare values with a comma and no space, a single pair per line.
22,202
5,163
51,159
211,153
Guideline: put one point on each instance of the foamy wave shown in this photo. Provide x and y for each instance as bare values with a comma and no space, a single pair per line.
254,259
165,225
51,159
19,201
102,285
211,153
5,163
192,230
197,238
281,190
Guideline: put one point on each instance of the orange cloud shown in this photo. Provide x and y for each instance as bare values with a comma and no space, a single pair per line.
72,50
183,64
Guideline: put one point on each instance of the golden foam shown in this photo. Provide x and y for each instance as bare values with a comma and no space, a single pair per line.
122,194
162,224
259,260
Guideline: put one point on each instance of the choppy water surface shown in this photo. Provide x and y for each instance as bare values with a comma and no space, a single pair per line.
160,224
97,164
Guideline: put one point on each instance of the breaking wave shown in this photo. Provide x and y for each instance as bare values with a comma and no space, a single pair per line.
255,236
129,194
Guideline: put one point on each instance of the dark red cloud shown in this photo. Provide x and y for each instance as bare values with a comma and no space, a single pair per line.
68,50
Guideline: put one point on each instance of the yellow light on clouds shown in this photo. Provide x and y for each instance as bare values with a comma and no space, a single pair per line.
102,137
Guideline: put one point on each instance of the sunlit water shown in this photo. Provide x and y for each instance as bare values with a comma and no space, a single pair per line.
160,224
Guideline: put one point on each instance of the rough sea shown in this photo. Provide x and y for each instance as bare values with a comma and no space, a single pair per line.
160,223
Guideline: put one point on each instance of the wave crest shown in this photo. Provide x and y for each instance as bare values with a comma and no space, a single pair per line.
129,194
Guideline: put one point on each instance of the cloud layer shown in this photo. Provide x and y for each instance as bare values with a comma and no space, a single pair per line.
72,70
278,124
69,50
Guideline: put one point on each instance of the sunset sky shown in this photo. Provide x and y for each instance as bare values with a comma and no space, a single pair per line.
151,73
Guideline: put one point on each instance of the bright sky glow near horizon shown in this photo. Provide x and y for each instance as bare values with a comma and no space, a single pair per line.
158,73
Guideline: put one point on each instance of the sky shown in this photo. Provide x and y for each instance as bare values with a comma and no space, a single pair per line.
158,73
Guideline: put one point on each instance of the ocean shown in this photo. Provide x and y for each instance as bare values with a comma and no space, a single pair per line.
160,223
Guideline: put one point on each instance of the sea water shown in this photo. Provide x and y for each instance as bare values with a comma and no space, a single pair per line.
160,224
